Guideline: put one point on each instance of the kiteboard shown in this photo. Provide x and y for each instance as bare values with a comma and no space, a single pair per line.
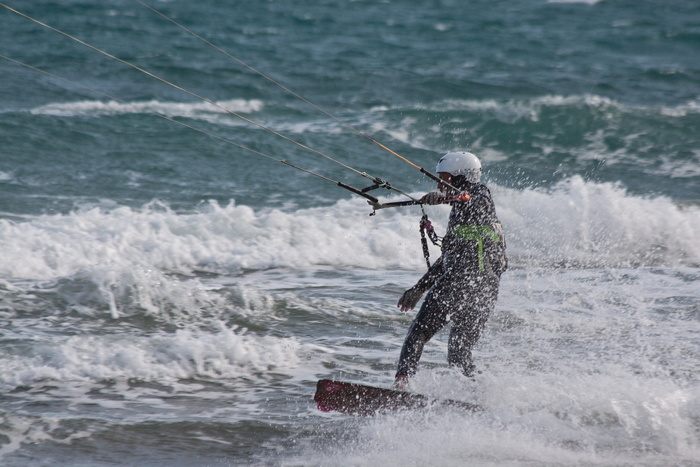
358,399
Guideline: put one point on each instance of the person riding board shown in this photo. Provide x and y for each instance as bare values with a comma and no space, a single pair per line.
463,283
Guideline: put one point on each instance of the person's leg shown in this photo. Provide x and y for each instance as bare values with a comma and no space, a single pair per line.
423,328
462,338
430,319
467,325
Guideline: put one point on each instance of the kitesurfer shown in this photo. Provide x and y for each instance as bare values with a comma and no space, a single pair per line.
463,283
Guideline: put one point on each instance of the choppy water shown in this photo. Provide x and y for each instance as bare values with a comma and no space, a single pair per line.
167,298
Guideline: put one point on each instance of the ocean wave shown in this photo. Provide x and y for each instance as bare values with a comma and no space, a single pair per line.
227,352
554,135
509,109
584,224
170,109
575,223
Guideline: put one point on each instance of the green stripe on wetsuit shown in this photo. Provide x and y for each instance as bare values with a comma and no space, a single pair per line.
477,233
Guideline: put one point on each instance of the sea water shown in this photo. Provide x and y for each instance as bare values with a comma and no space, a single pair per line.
168,298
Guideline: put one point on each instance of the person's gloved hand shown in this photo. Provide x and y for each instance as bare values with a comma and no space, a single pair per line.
409,299
434,197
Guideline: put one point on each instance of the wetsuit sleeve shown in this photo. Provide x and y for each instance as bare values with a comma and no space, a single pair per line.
429,277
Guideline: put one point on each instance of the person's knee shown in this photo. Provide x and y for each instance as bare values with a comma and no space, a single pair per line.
415,340
421,332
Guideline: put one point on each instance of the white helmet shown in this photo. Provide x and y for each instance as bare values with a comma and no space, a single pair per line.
461,163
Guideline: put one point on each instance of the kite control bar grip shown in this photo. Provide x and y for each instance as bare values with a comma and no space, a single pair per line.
376,205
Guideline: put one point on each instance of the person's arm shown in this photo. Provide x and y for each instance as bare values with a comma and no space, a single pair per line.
410,298
434,197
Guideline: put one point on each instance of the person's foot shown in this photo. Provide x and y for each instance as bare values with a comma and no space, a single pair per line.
401,382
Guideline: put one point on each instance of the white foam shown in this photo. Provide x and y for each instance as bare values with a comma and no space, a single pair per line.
574,223
171,109
691,108
224,353
546,422
583,223
513,109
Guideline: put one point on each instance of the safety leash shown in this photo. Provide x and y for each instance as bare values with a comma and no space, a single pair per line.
427,227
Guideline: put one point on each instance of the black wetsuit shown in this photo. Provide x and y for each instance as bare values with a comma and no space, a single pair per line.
463,282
